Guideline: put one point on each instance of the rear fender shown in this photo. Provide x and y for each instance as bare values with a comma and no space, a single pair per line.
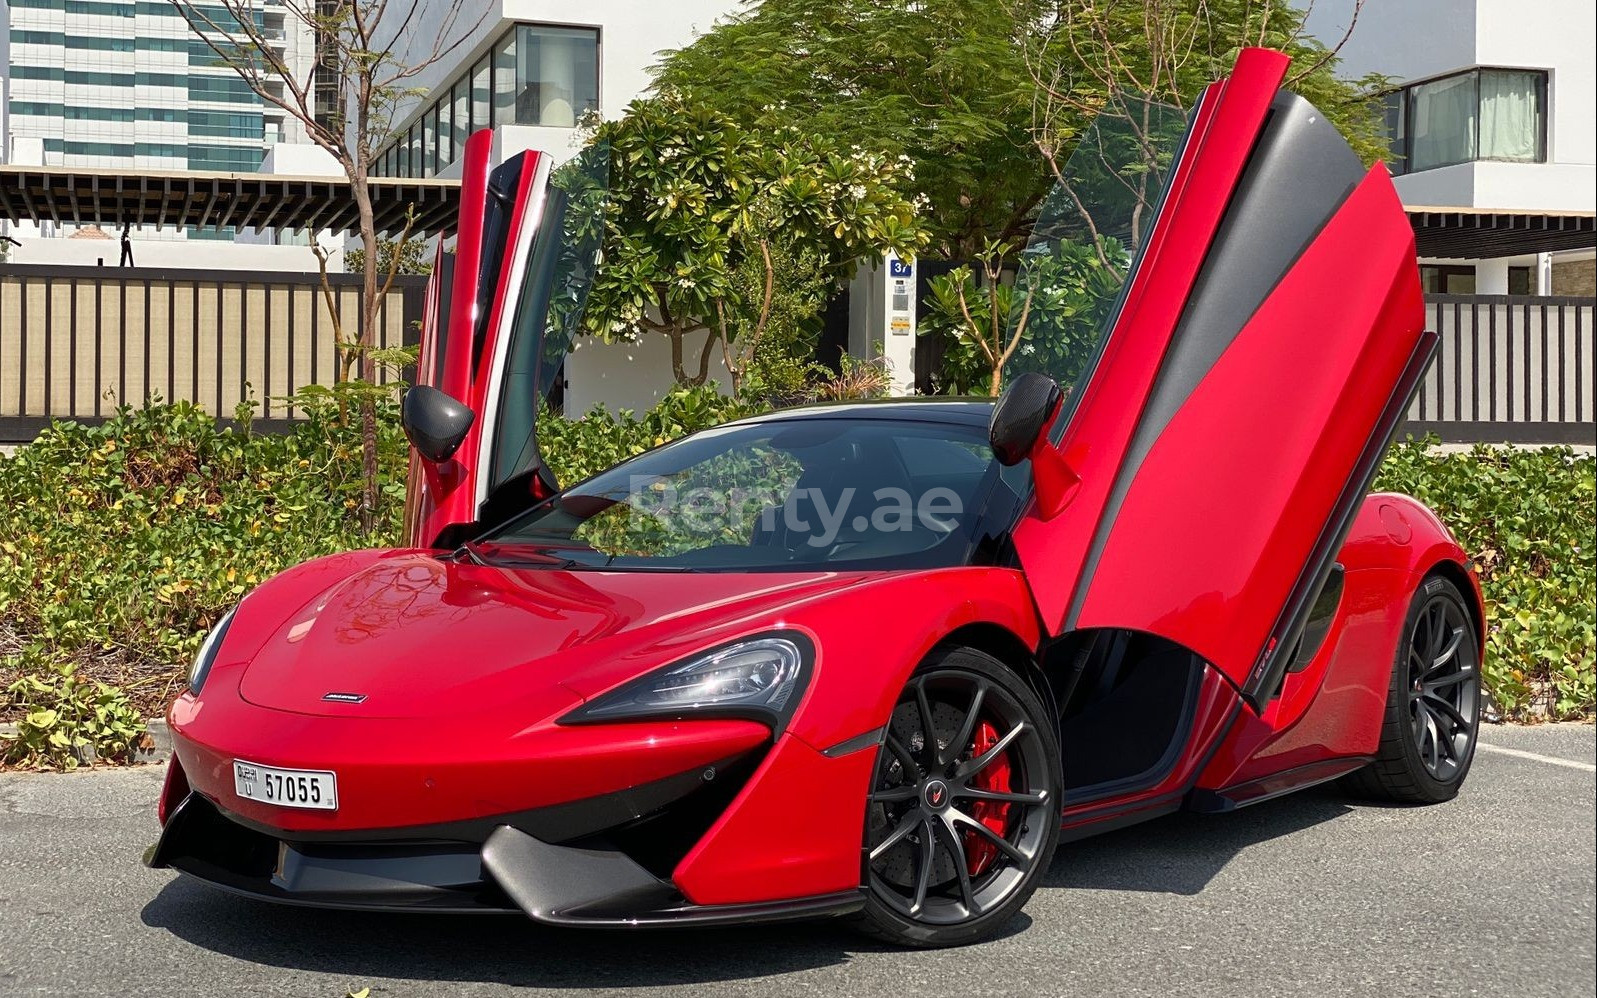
1334,707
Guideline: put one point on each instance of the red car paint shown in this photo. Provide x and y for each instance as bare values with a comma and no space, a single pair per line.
467,670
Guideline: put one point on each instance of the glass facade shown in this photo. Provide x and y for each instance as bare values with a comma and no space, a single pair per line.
131,86
533,74
1480,114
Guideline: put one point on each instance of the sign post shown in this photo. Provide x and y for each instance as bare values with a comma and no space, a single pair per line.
885,328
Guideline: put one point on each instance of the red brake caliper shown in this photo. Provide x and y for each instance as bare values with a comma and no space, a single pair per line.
978,851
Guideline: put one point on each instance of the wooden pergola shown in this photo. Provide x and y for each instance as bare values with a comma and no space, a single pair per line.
184,199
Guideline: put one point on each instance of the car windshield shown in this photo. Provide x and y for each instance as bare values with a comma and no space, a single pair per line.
777,495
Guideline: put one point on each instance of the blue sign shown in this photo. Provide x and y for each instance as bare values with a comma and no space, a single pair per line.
901,268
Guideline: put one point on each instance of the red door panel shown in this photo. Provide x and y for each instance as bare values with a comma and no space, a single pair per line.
1257,366
1220,518
475,286
1223,127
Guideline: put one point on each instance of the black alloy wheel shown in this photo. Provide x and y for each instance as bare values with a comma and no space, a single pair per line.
1434,705
963,814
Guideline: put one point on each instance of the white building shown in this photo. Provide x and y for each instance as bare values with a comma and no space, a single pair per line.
127,84
532,70
1493,109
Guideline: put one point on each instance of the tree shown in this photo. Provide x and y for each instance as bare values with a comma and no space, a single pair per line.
939,81
1088,59
990,99
370,86
393,256
719,228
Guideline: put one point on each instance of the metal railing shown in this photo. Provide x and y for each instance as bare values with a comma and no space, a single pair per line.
1509,369
76,342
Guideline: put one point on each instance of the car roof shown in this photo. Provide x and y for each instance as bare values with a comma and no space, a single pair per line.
961,411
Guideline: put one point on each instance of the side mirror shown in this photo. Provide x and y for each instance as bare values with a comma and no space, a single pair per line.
434,422
1022,414
1019,430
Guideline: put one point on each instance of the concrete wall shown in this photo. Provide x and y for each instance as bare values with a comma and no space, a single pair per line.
631,375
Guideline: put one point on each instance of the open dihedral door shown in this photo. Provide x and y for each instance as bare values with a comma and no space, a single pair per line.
502,307
1254,370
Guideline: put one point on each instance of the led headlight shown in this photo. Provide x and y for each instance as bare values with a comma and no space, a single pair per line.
759,678
207,654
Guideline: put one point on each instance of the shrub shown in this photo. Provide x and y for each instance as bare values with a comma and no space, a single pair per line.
63,721
1526,517
121,544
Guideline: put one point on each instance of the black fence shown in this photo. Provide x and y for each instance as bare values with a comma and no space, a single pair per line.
76,342
1509,369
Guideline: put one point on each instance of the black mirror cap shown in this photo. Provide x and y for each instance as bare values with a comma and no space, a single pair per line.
435,423
1022,413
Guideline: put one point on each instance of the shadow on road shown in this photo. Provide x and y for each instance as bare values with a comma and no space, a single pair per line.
1177,855
1181,853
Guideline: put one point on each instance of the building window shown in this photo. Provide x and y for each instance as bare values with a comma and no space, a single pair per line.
20,37
533,75
504,80
42,109
228,125
1447,279
231,159
36,72
429,142
479,95
72,113
461,99
98,149
557,75
1482,114
1521,280
96,44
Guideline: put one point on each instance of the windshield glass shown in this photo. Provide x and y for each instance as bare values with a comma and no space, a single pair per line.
1069,279
792,494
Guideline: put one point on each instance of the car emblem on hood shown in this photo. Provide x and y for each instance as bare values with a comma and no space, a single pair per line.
345,697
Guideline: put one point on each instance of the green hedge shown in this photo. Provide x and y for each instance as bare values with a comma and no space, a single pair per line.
1527,519
121,544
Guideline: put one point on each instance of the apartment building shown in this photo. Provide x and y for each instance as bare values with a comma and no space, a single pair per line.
1493,108
127,84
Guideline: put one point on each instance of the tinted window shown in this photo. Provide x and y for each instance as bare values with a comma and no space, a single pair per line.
779,495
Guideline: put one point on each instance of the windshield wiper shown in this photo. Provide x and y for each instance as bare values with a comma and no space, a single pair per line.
466,552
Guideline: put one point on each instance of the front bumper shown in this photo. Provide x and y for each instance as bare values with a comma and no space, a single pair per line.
727,823
587,884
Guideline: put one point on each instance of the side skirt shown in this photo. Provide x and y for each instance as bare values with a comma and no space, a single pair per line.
1276,785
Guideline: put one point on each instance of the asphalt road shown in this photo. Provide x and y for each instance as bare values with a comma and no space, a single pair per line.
1309,895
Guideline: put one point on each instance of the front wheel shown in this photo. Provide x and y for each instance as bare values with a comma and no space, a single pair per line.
1433,706
963,814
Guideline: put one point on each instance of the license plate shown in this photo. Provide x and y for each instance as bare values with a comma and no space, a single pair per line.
307,788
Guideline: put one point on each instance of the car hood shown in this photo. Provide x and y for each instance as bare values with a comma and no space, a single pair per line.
415,635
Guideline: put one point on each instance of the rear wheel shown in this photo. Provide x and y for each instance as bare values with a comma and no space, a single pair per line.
1433,706
963,814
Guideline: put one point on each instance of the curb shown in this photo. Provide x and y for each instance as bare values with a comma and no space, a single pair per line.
156,747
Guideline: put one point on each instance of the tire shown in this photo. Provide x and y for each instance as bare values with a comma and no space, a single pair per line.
961,827
1432,714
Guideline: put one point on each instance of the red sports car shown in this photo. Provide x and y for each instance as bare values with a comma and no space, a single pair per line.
876,659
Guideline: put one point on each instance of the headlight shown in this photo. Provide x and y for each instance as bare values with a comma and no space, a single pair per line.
207,654
759,678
